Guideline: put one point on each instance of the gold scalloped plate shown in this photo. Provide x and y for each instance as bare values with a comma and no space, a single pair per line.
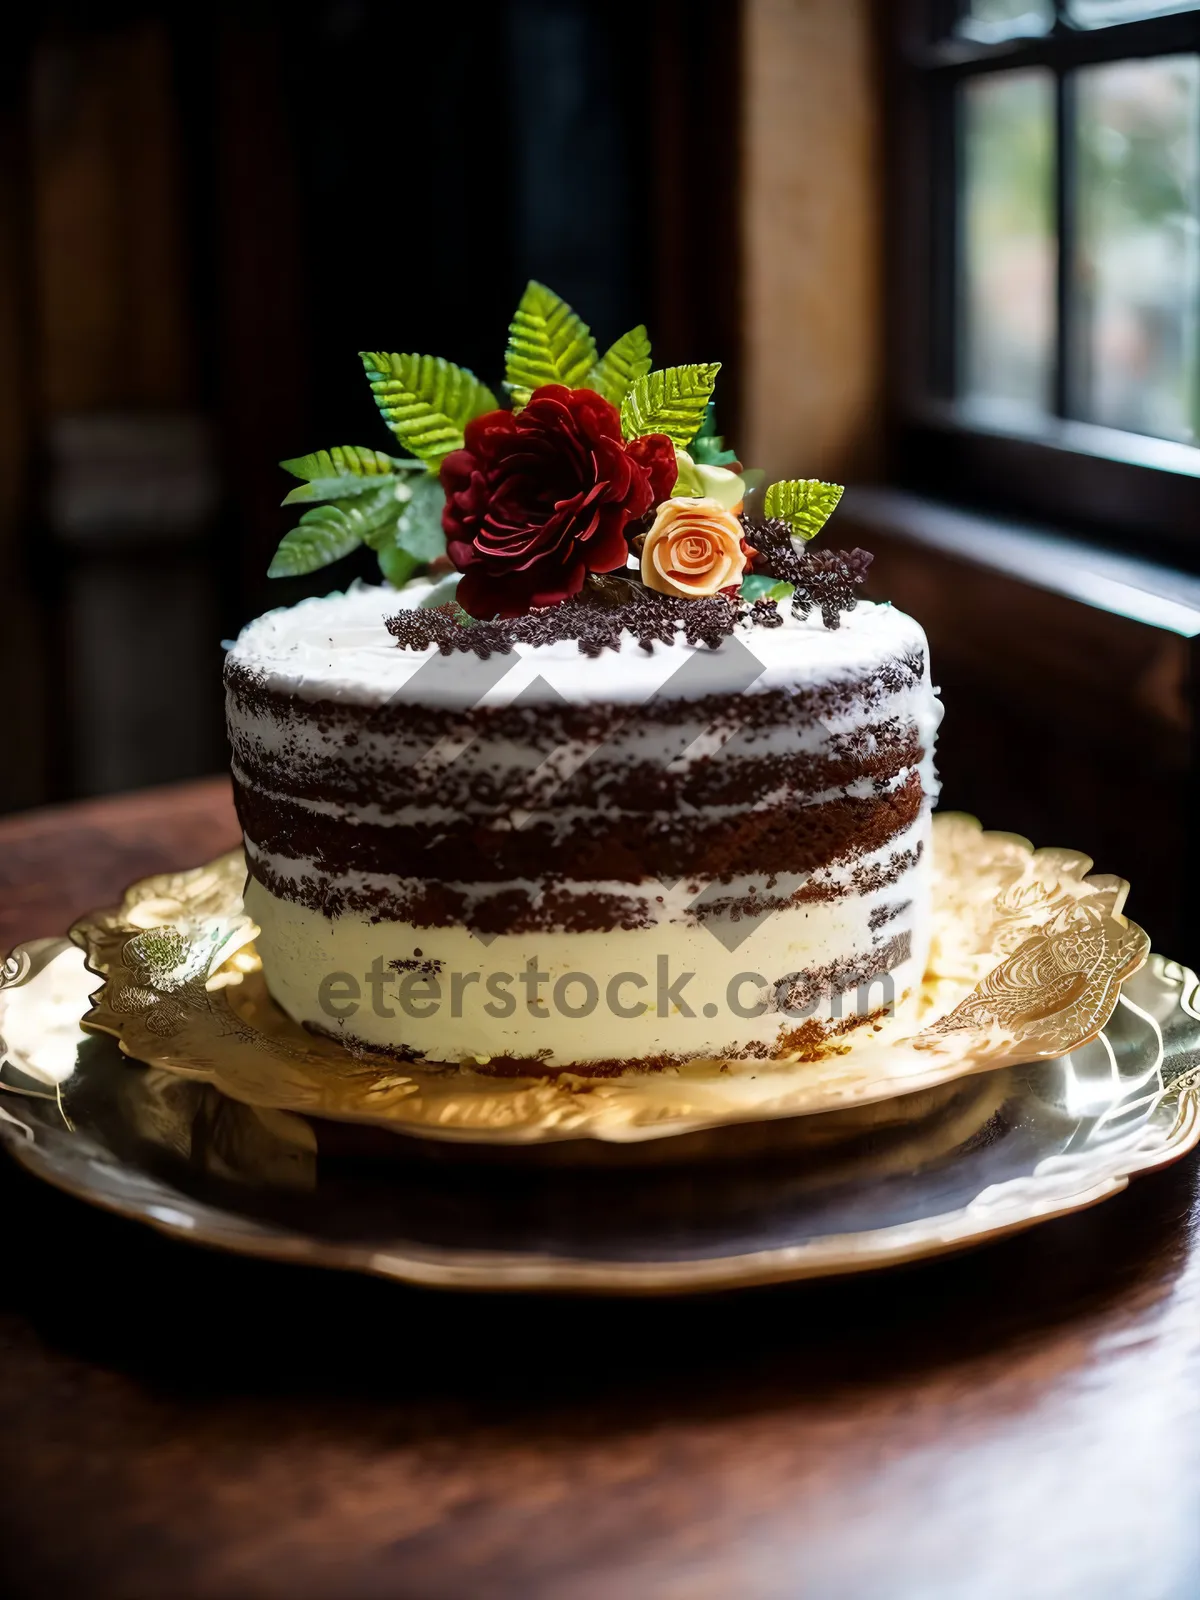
1028,956
985,1156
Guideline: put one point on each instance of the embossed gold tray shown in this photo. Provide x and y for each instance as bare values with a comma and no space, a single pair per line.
979,1157
1029,952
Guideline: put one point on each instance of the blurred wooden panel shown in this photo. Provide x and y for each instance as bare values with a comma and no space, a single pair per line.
1062,661
1063,721
261,315
113,326
22,623
810,239
125,491
695,184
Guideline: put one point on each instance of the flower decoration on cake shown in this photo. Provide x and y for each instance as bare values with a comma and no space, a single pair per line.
599,465
694,548
538,498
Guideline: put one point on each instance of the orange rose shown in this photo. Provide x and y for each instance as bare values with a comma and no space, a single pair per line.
693,549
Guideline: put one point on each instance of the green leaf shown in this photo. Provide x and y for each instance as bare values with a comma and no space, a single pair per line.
396,565
426,401
415,537
671,401
547,343
355,459
344,487
711,452
322,536
621,365
342,472
327,533
708,423
758,586
805,504
419,530
708,447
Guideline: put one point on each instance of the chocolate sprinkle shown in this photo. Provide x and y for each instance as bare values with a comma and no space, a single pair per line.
822,580
596,625
450,629
765,614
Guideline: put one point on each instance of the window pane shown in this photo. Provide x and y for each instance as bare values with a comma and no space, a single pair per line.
1136,277
992,20
1009,254
1100,13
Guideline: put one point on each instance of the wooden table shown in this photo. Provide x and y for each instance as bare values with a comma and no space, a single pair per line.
1023,1421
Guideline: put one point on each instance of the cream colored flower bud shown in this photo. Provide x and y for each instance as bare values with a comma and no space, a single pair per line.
699,482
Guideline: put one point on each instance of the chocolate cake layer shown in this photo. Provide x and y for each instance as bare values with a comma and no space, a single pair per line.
357,778
593,845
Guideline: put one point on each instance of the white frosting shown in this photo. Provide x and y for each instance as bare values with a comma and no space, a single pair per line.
337,648
300,738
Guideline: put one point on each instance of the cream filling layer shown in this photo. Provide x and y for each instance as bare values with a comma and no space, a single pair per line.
562,820
338,647
672,990
265,734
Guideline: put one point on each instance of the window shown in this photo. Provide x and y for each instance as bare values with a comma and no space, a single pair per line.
1045,235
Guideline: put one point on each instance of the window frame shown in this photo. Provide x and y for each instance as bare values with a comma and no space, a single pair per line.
1091,480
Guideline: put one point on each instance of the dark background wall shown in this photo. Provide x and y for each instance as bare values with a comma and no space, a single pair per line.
206,212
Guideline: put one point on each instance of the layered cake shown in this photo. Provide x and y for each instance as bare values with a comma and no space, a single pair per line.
646,786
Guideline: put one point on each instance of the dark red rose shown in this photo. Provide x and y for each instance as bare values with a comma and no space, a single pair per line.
537,499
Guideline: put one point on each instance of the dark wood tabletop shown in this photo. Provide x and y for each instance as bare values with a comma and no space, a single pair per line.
1020,1421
